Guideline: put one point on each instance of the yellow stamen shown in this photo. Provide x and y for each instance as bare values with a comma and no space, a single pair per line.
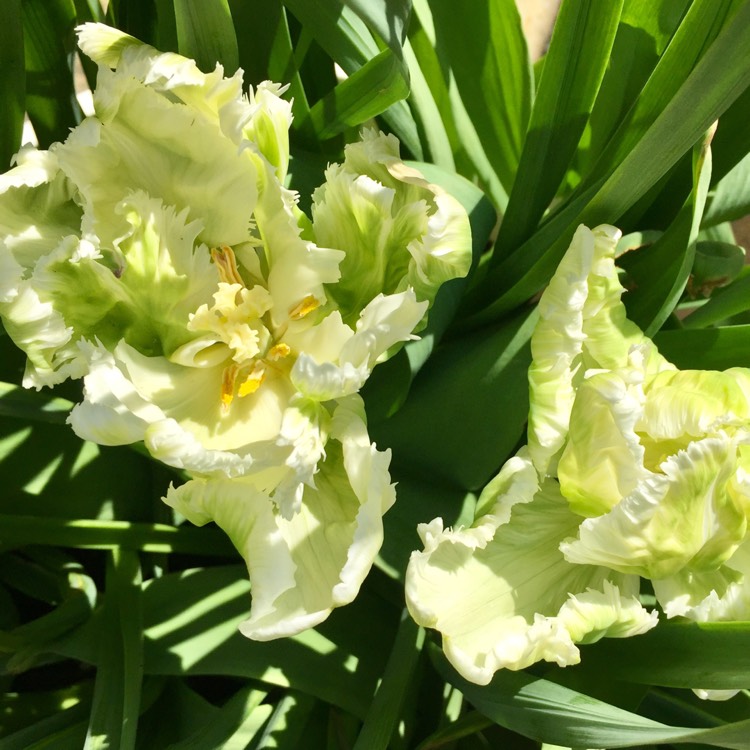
305,307
226,264
228,378
253,381
279,351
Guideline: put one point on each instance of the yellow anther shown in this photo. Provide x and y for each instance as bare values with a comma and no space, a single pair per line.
226,264
279,351
305,307
253,381
227,386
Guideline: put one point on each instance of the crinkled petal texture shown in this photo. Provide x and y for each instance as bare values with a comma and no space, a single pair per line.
689,515
501,593
38,217
262,121
397,229
157,254
582,326
302,567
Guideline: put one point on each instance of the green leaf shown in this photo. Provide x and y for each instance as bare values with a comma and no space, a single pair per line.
484,48
449,426
387,18
24,709
190,624
730,199
65,730
710,655
716,265
48,38
387,704
706,348
234,724
732,142
12,81
286,724
709,90
646,26
28,643
205,32
545,711
135,17
725,303
695,34
36,407
82,533
189,712
48,472
428,105
445,126
365,94
577,59
347,40
268,53
660,272
117,689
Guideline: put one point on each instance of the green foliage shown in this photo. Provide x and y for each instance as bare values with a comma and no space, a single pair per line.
118,620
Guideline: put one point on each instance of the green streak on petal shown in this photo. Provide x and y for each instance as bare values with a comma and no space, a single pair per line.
501,593
397,229
687,517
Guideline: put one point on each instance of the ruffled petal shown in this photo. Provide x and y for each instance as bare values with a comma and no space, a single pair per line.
603,458
302,567
687,517
142,140
385,322
501,593
397,229
582,325
37,207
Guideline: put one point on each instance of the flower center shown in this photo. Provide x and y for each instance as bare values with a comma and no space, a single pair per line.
238,318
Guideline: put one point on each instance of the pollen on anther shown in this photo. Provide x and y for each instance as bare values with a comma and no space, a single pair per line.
305,307
279,351
251,384
227,386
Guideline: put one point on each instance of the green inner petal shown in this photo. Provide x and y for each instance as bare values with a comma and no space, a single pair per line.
688,517
167,150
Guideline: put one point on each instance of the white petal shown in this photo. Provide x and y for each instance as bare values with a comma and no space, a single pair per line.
582,325
502,594
686,517
112,411
303,567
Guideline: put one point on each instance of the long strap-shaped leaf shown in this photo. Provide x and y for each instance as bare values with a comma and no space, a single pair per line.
549,712
205,32
190,623
387,19
89,533
117,691
49,83
700,27
352,102
378,79
706,94
387,705
708,655
573,71
661,271
484,47
12,81
707,348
